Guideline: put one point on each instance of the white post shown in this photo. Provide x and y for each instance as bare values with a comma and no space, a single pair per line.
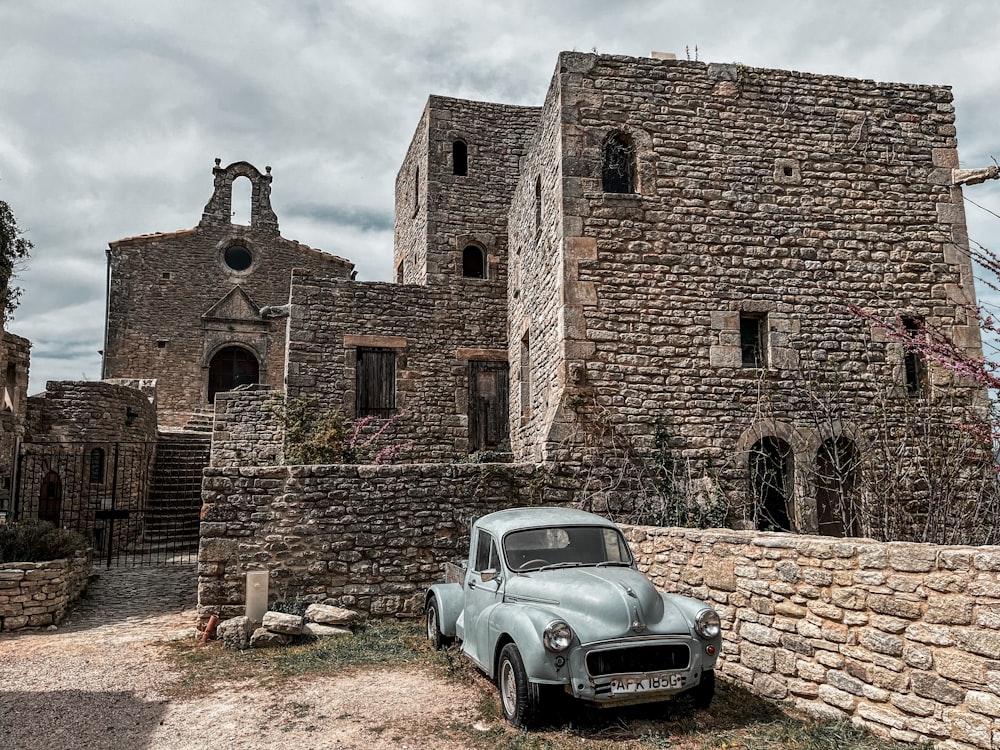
256,594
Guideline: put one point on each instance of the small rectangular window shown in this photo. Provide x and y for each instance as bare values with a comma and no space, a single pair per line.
913,361
753,339
375,382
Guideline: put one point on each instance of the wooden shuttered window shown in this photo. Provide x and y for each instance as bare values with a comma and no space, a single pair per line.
375,383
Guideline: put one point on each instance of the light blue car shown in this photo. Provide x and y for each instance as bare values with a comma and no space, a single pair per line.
550,599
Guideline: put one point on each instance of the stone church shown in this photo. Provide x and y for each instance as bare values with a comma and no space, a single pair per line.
647,275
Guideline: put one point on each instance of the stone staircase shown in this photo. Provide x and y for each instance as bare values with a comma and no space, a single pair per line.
200,421
173,513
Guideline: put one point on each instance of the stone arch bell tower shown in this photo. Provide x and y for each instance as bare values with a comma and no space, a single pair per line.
219,209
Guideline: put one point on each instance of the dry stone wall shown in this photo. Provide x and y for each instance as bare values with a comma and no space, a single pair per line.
369,538
903,639
36,594
248,429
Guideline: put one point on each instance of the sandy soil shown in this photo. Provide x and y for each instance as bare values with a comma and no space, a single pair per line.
111,687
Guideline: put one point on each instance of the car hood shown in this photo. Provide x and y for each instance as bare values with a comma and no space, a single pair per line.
599,603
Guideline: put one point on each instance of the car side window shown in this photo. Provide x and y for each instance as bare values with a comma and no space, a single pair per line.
487,557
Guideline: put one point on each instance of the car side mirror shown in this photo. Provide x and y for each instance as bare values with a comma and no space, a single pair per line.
490,574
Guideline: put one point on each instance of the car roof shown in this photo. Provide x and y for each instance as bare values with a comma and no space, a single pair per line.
514,519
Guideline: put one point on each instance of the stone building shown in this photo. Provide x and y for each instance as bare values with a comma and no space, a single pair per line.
190,308
678,244
643,285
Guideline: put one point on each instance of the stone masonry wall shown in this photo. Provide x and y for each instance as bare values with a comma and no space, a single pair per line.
371,538
903,639
248,430
71,411
535,292
36,594
435,331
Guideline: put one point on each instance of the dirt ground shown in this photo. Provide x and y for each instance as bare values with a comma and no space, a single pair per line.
111,687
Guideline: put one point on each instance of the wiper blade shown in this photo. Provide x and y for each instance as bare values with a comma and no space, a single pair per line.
620,563
553,566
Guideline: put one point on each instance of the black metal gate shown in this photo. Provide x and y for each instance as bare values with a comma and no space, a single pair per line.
107,492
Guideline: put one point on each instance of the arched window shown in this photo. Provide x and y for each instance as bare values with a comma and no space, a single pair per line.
771,465
460,158
836,475
473,262
229,368
618,172
242,201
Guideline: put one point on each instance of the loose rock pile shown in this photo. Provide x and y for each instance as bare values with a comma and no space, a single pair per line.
282,628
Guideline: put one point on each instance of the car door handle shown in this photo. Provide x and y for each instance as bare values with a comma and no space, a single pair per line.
472,584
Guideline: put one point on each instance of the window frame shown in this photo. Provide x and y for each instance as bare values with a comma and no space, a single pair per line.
378,402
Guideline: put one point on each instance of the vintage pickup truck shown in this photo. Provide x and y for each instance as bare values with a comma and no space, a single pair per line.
550,598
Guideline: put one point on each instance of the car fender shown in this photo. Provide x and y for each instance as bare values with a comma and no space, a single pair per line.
524,625
450,599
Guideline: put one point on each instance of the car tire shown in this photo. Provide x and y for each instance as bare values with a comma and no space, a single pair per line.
432,621
520,699
701,694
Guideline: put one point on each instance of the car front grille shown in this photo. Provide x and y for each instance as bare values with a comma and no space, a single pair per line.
632,659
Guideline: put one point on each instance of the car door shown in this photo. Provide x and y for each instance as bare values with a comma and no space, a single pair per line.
483,589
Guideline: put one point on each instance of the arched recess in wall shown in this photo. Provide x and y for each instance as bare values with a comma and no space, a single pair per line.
474,262
769,451
50,499
242,201
231,366
772,481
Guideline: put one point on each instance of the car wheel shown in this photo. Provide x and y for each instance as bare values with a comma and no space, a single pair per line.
702,693
432,619
519,698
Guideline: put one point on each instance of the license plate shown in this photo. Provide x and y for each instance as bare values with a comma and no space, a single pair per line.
625,685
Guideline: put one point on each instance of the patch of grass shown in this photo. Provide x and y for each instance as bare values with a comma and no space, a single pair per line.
737,719
375,643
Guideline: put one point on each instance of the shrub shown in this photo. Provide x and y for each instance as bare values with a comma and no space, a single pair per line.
35,541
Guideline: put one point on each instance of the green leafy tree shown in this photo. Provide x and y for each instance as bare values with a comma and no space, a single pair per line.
14,249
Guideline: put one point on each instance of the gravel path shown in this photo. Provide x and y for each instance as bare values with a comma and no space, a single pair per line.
101,681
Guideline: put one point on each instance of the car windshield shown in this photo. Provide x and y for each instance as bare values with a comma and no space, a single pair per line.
564,547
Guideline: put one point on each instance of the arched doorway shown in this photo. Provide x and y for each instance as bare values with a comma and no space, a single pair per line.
230,367
50,499
771,466
836,472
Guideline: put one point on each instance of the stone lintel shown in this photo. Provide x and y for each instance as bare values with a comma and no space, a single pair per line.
382,342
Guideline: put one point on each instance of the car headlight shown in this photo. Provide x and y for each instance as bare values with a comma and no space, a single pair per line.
708,623
558,636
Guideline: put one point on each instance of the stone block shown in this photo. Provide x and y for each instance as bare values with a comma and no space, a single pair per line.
282,622
327,614
264,638
316,630
235,633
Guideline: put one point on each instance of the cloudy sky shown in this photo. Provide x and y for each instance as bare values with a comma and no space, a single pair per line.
112,111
